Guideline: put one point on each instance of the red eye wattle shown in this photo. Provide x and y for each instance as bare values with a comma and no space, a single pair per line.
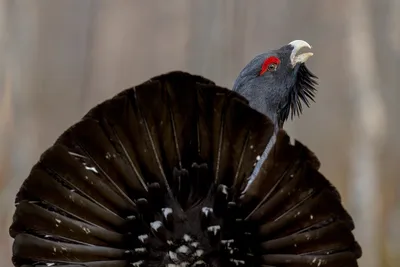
270,64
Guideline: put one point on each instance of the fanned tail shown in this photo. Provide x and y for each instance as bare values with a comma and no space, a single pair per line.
154,177
296,213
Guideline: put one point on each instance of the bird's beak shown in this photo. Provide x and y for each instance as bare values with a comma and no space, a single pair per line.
299,58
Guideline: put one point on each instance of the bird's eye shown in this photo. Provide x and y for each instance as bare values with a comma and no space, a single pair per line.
272,67
270,64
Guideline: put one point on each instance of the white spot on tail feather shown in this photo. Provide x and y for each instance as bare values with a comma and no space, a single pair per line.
93,169
187,238
237,262
194,244
206,210
199,252
199,263
156,225
292,140
140,250
227,242
166,211
183,249
137,263
225,190
142,238
173,256
214,229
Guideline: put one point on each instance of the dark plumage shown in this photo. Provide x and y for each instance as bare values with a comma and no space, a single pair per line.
156,176
280,91
303,91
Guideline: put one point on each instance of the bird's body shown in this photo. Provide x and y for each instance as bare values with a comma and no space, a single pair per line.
159,176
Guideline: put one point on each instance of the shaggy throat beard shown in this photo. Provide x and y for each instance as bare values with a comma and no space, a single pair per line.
302,92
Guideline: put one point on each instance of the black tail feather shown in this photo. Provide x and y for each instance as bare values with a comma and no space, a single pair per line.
155,177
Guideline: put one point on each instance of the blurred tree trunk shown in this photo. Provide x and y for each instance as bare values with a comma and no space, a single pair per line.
209,52
391,161
368,129
132,41
6,124
393,32
5,100
19,70
45,62
6,131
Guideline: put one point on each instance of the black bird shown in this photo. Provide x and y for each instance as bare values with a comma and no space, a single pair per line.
180,172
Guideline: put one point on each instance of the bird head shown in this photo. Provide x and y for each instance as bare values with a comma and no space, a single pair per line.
276,83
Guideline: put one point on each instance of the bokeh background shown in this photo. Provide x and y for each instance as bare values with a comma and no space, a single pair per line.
60,58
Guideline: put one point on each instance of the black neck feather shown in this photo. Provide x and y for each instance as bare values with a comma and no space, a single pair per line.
302,92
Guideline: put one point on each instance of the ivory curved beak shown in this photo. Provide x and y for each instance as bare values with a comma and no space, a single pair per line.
300,58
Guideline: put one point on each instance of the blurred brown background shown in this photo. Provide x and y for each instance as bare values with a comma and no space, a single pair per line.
60,58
